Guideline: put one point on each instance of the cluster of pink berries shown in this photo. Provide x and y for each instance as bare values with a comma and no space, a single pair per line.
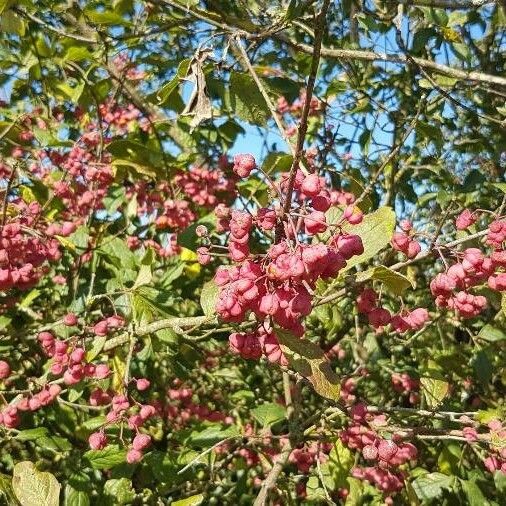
465,219
177,215
206,187
107,325
388,454
123,65
451,288
406,385
403,241
171,213
10,414
23,250
306,456
121,119
70,362
315,106
135,416
170,249
276,286
183,409
497,461
379,317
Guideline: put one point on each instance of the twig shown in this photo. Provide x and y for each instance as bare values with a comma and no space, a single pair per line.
6,195
51,28
362,54
392,153
261,88
128,361
273,476
150,328
204,453
444,93
302,130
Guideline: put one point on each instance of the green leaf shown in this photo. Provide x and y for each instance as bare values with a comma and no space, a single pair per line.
336,87
10,22
94,423
269,413
4,4
76,496
34,488
208,297
421,38
143,157
500,481
336,469
376,231
500,186
396,282
246,101
120,490
485,416
32,434
56,444
473,493
211,435
29,298
7,496
309,361
194,500
483,368
164,93
431,485
139,168
107,458
98,346
434,390
491,333
145,275
277,162
188,237
449,458
77,53
105,18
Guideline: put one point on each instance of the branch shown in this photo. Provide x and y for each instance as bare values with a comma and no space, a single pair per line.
302,130
354,54
273,476
445,4
53,29
362,54
272,108
176,324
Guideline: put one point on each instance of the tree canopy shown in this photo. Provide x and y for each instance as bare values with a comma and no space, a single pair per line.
252,252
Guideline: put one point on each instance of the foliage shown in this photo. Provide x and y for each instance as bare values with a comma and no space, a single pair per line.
252,252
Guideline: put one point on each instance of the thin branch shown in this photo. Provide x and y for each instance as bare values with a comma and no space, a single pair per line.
273,476
177,324
261,88
302,130
362,54
392,153
51,28
445,4
434,84
347,54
